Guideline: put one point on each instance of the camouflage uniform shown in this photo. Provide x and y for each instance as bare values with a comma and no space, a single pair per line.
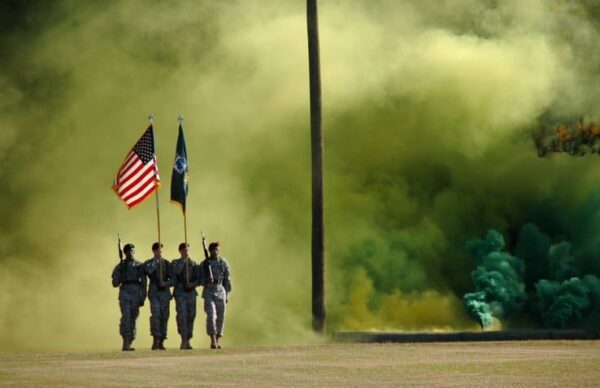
160,297
185,297
129,276
215,293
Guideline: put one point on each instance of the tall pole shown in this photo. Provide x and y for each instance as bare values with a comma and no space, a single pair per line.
185,226
185,239
318,226
157,215
160,263
151,122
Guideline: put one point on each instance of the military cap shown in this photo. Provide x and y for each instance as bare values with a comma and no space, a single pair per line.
213,245
128,247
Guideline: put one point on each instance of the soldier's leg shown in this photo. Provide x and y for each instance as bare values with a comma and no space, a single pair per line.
210,309
155,331
165,304
129,313
125,324
155,317
221,307
135,313
191,315
181,308
165,314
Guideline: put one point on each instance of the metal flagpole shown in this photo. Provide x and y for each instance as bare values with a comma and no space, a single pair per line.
151,120
185,226
160,263
187,259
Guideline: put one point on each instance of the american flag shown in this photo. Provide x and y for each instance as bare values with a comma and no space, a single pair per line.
138,176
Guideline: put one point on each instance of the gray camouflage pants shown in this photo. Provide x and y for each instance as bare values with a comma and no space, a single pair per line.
215,307
130,310
186,313
160,302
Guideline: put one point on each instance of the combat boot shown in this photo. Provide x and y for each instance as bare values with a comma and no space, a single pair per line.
213,342
156,344
127,345
161,344
184,343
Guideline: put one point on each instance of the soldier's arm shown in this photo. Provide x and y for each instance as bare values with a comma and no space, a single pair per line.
226,277
149,266
202,275
170,282
143,282
198,275
116,276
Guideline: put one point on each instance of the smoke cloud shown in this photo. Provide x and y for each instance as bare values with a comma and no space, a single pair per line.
558,296
498,280
428,107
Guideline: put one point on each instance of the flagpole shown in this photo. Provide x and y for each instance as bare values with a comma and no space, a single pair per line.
151,120
157,215
160,265
187,259
185,226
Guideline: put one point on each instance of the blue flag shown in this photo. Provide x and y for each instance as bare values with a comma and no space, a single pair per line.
179,179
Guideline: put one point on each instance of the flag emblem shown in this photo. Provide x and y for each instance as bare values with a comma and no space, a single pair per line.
138,176
180,164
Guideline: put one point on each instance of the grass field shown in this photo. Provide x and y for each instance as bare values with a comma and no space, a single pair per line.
530,363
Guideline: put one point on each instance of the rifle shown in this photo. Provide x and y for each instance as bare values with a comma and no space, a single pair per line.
204,245
120,246
210,274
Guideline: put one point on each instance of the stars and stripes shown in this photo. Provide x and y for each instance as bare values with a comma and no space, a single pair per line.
138,176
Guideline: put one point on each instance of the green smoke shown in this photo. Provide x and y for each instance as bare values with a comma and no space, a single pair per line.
570,301
498,280
428,107
558,296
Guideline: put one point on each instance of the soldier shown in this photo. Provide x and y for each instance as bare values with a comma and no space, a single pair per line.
187,277
129,276
160,273
217,287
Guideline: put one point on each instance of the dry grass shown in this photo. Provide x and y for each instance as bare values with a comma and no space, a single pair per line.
534,363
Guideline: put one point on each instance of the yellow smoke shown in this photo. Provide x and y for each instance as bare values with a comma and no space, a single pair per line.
412,91
428,310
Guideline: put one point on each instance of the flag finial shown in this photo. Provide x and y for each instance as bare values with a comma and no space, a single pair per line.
180,119
151,118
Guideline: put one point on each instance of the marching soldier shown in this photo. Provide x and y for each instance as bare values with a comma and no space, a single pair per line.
129,276
187,278
160,274
217,287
